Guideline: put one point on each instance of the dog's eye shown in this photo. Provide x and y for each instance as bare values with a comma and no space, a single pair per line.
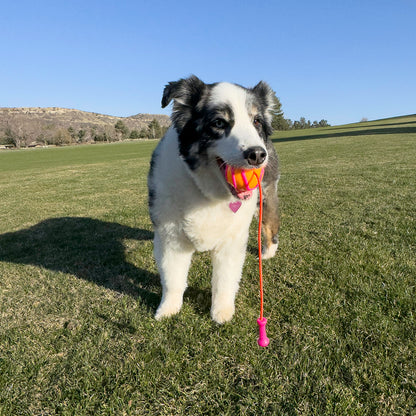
257,122
219,123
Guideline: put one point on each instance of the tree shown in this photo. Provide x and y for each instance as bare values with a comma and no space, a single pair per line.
134,134
9,137
103,136
302,123
72,133
81,135
14,136
155,131
60,137
121,130
143,133
278,120
324,123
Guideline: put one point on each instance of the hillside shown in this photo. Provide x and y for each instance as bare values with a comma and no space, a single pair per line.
55,125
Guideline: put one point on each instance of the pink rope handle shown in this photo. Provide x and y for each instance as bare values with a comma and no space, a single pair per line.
263,341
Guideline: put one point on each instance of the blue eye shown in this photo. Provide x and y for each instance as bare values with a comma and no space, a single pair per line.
219,123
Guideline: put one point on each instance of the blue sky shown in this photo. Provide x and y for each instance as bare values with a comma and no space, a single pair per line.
337,60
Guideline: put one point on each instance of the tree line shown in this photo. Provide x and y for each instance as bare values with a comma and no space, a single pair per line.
279,122
15,135
152,131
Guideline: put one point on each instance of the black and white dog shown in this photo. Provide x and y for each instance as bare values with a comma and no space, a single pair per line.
192,207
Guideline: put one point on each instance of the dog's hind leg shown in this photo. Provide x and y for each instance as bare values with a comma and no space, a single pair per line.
227,262
271,222
173,262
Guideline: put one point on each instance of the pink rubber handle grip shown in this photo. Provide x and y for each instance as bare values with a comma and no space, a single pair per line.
263,341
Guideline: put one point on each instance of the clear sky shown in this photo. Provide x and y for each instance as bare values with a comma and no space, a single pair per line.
337,60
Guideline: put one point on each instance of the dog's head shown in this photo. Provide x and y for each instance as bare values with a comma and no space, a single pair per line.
220,124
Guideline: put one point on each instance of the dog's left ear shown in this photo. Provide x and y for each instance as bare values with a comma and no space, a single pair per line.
265,94
185,92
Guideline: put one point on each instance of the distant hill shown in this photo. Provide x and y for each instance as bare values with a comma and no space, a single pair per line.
55,125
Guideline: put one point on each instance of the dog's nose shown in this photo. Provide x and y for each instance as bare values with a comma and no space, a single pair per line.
255,155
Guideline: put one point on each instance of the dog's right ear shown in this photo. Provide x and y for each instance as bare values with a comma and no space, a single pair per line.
185,92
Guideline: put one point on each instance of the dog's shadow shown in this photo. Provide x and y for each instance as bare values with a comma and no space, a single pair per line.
87,248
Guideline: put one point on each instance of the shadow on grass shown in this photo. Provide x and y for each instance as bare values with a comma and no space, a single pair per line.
86,248
199,298
363,132
374,125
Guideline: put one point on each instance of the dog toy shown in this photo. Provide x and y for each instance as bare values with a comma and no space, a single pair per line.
242,179
248,180
263,341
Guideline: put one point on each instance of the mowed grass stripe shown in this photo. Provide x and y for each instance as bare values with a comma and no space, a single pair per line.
29,159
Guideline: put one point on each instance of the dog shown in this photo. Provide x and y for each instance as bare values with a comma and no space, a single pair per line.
191,205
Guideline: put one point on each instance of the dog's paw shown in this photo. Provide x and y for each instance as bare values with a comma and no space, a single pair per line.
166,309
222,314
269,252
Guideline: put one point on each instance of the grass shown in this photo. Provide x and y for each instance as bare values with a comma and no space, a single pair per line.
79,287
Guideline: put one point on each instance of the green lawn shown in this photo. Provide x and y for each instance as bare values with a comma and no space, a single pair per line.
79,287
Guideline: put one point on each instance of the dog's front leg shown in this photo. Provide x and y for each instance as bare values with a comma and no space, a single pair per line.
227,262
173,261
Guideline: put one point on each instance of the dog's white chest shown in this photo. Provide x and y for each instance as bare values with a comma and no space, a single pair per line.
209,226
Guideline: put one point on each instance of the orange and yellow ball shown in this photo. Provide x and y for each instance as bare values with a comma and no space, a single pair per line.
243,179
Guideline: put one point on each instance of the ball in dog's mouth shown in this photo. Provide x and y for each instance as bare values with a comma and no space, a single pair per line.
241,182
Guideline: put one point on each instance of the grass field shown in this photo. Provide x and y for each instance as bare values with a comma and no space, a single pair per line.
79,287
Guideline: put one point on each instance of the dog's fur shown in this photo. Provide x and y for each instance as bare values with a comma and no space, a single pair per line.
189,197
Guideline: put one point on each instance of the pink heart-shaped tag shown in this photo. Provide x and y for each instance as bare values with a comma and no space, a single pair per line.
235,206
